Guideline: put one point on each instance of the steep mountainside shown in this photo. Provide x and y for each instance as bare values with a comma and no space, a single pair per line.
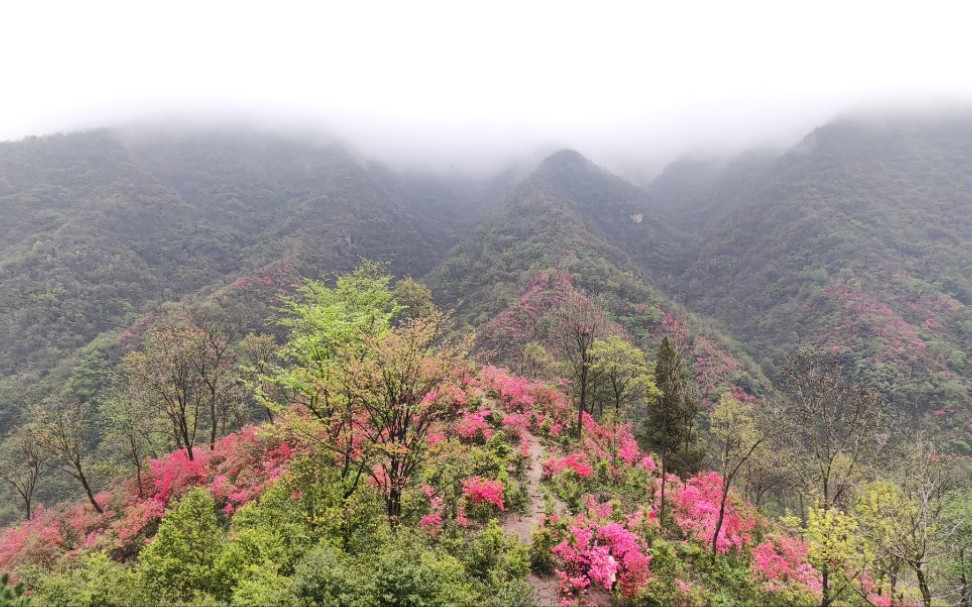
97,227
571,220
858,241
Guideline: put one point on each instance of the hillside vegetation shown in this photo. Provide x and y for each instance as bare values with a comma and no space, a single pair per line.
857,241
746,383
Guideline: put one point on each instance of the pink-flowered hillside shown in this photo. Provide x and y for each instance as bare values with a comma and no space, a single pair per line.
603,537
533,318
605,544
237,471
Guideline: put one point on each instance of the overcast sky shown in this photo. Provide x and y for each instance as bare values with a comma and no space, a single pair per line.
441,82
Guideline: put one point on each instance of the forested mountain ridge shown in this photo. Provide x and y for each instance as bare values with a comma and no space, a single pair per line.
248,429
573,221
98,227
857,241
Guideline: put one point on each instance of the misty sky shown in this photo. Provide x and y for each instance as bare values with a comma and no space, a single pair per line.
444,82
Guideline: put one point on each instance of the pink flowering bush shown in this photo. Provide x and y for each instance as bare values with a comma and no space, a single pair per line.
611,441
545,407
577,462
235,472
472,426
696,511
480,490
600,551
780,561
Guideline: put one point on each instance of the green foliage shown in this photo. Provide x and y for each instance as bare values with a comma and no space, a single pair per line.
625,379
670,428
179,564
493,554
543,539
92,581
12,595
329,577
409,574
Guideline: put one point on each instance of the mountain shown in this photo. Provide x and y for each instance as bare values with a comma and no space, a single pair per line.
98,227
857,241
572,220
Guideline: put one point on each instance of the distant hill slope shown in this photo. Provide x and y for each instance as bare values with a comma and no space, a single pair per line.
97,227
571,217
858,241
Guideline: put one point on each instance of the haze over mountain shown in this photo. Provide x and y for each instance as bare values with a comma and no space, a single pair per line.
854,240
855,244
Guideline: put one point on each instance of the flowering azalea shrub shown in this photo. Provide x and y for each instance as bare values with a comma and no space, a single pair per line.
601,549
236,471
696,511
576,462
545,408
780,562
480,491
613,441
472,426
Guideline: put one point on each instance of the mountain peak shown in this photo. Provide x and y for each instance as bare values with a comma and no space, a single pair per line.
566,159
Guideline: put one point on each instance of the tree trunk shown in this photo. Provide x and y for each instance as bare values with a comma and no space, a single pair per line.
664,473
87,488
393,506
722,516
966,596
825,599
583,401
926,598
138,476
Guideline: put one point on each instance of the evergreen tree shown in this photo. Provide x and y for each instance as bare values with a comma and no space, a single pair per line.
670,426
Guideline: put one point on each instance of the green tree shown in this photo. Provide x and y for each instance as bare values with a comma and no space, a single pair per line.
625,377
832,422
62,430
179,564
21,458
165,371
883,510
535,361
735,435
957,560
836,548
415,299
581,321
371,384
670,426
395,392
131,425
257,355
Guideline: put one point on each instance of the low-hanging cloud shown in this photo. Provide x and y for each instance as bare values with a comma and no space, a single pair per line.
450,86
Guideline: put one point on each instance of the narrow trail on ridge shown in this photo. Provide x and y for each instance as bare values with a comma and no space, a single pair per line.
522,524
546,591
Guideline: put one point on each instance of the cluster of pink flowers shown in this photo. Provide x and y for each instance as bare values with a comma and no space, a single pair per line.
600,551
781,560
614,442
647,463
517,423
575,462
473,425
432,523
519,395
697,512
236,471
481,490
